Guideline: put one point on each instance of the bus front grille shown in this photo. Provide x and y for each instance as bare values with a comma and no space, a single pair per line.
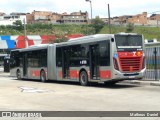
131,64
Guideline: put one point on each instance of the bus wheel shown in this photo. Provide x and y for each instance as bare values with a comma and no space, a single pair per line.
43,76
83,78
18,74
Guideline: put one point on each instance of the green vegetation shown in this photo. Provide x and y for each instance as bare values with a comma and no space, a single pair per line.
129,27
148,32
97,24
152,66
97,27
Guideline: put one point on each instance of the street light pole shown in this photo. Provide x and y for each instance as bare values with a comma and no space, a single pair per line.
109,19
90,6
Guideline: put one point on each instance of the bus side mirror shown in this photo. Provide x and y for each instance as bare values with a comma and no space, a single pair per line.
112,39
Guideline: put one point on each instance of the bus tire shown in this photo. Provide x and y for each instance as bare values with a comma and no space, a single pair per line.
43,76
83,78
18,74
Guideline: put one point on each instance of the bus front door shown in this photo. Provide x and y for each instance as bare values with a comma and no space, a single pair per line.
94,61
65,63
25,65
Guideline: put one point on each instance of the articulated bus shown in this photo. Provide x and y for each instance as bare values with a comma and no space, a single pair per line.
107,58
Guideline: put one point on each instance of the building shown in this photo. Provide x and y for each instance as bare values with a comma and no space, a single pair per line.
155,17
54,18
43,17
154,20
75,18
123,20
13,17
139,19
29,18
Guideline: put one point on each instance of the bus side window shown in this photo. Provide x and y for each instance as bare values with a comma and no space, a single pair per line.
85,53
104,53
43,58
58,57
75,55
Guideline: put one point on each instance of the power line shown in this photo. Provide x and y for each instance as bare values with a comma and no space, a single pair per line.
153,12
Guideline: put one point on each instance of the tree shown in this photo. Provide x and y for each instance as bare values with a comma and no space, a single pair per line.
18,25
98,24
129,27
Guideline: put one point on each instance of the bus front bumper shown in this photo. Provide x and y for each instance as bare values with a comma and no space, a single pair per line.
128,76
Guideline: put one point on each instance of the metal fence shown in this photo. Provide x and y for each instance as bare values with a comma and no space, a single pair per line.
152,63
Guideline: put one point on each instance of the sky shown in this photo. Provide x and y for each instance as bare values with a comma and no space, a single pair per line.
99,7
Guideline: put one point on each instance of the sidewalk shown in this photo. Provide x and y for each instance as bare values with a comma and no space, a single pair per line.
4,74
143,82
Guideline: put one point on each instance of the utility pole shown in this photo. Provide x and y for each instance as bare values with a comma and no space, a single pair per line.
25,33
157,23
109,20
90,7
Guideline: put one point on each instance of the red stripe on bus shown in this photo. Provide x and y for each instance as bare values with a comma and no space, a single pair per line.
74,74
60,74
105,74
88,72
35,73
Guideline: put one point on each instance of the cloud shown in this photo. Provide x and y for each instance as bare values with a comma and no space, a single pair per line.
124,7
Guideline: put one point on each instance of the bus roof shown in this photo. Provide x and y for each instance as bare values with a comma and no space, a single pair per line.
85,39
123,33
91,37
33,47
101,36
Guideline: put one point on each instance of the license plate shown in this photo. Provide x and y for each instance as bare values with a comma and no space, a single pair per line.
131,76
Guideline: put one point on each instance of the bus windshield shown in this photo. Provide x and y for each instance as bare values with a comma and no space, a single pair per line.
129,42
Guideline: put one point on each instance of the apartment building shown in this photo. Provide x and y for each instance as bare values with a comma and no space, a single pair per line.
155,17
43,17
10,19
139,19
30,18
75,18
154,20
53,17
123,20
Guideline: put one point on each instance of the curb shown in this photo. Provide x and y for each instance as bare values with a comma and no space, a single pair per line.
133,82
146,83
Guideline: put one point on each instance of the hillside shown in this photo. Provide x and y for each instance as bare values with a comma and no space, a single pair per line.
63,29
148,32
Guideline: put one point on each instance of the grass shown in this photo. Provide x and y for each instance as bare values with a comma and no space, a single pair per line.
41,29
148,32
152,66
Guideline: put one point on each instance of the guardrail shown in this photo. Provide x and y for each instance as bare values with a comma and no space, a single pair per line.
152,63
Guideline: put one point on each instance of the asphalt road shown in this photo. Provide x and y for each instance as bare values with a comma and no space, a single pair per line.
32,95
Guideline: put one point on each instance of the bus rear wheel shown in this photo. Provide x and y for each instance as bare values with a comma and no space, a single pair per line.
18,75
43,76
83,79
